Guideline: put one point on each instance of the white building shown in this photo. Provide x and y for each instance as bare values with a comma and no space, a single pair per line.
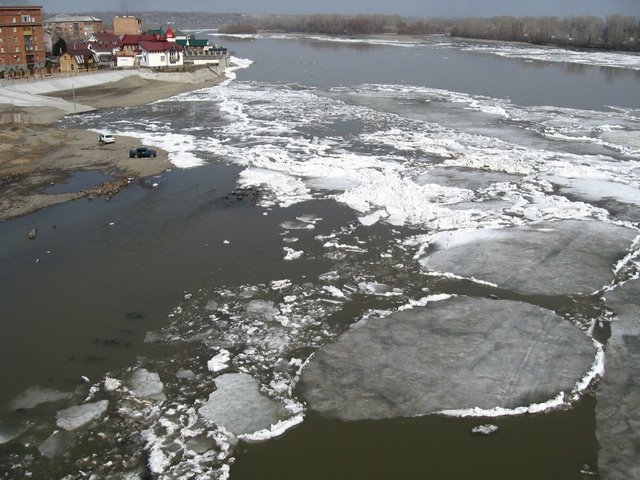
160,54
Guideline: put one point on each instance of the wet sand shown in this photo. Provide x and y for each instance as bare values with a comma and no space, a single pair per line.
34,154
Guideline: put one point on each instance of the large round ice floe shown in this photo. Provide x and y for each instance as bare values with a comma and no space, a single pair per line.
455,354
551,258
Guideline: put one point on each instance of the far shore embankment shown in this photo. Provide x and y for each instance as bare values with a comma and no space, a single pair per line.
34,154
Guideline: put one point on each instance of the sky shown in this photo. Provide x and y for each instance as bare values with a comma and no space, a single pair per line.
423,8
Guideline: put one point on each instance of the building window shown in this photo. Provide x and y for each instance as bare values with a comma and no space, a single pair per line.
27,18
18,49
162,58
15,40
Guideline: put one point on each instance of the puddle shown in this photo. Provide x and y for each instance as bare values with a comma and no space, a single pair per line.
79,181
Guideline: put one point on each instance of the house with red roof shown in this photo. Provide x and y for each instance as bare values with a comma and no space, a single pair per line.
103,46
160,54
102,37
128,52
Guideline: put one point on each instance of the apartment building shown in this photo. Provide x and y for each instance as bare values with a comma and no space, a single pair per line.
127,25
72,27
21,38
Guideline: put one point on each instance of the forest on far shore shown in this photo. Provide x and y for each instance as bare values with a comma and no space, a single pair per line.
616,32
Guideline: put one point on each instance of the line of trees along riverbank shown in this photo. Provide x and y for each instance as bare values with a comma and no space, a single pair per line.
618,32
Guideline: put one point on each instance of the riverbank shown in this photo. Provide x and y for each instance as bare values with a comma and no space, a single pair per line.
35,154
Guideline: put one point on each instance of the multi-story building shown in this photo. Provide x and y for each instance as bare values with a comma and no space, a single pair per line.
72,27
21,38
127,25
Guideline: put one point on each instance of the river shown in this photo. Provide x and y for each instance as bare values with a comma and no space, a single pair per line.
306,196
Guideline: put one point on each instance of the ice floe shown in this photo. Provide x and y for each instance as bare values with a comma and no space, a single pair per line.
485,429
8,435
77,416
56,444
461,353
553,258
551,54
146,384
464,178
239,407
111,384
292,254
618,407
219,362
35,396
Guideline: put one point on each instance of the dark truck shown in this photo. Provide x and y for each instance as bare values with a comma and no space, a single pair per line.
141,152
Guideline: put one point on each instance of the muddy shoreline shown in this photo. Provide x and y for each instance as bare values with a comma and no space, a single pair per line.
35,154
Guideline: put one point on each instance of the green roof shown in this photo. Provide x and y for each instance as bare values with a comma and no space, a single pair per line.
156,31
194,42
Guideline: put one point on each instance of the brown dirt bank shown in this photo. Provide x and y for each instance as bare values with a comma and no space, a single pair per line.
33,158
36,155
130,92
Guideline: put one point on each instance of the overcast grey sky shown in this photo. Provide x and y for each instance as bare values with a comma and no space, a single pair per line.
402,7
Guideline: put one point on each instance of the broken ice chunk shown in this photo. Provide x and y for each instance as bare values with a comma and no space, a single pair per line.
8,435
211,306
469,178
75,417
185,374
146,384
219,362
372,218
486,429
34,396
333,291
56,444
291,254
238,405
373,288
263,309
111,384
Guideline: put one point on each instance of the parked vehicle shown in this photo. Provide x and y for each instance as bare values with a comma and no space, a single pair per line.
106,138
141,152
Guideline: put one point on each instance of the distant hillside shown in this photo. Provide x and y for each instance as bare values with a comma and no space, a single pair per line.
178,19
